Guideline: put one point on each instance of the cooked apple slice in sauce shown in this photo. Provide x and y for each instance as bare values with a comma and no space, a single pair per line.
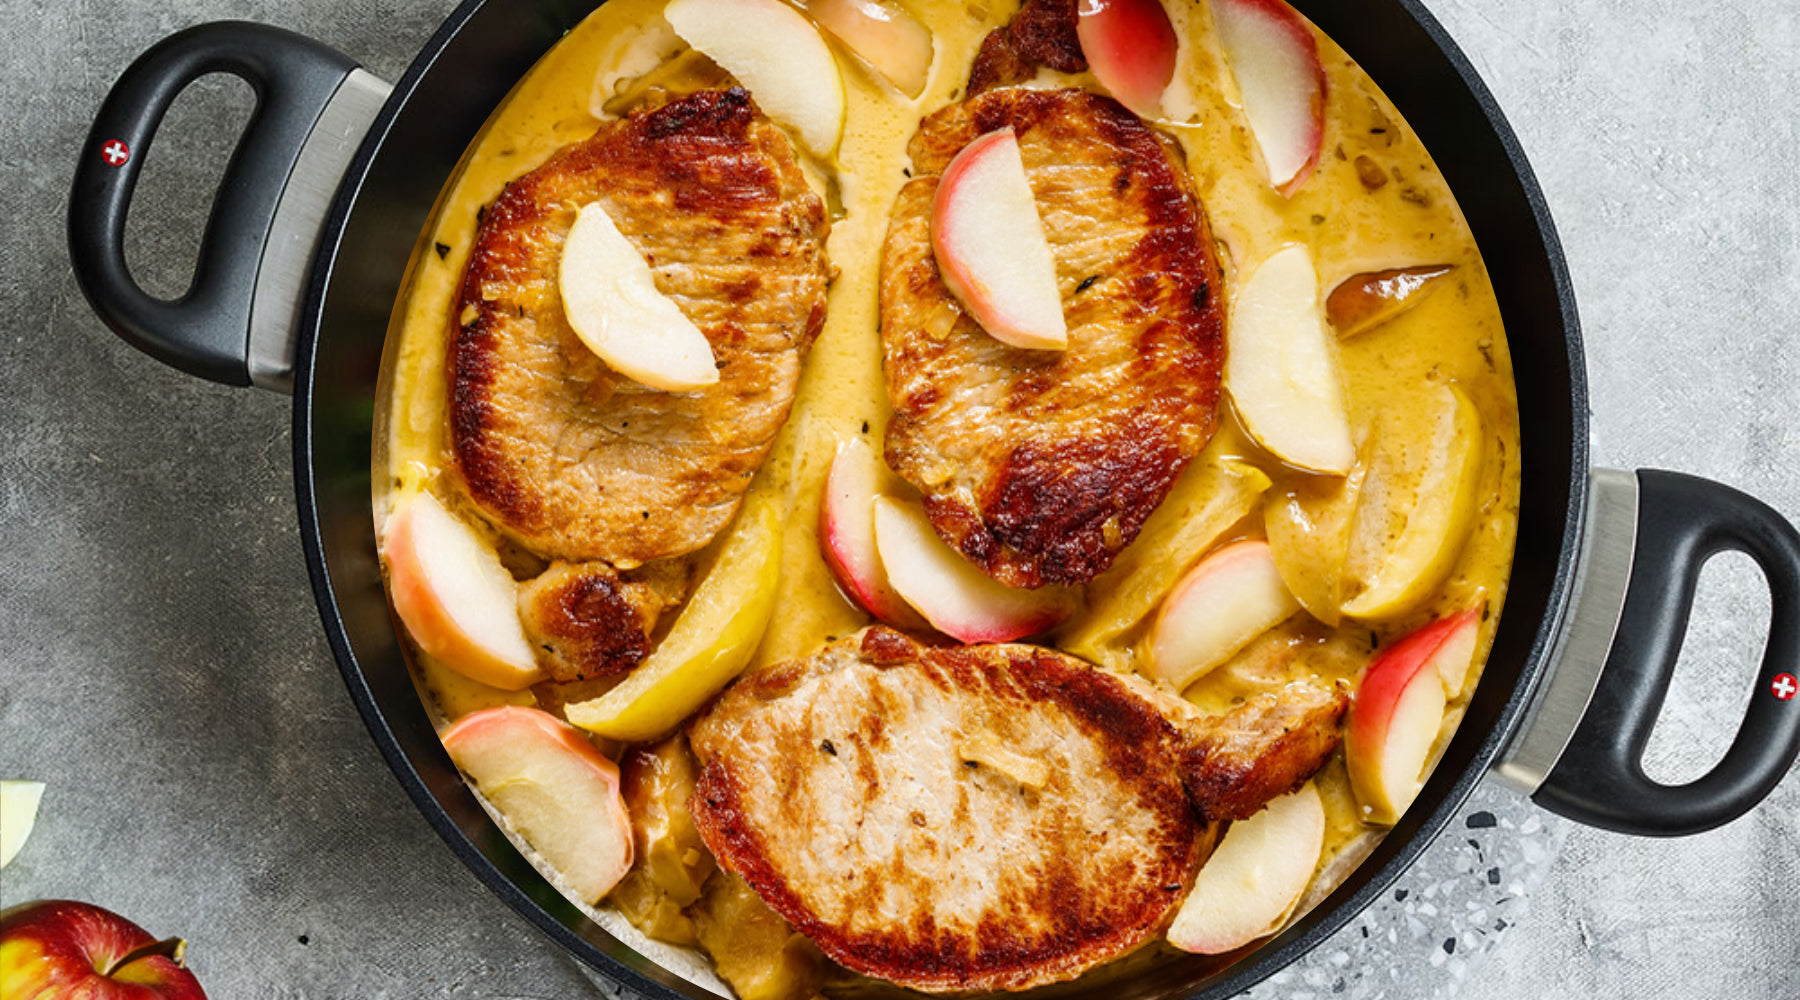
455,598
711,641
958,599
847,534
554,787
1229,598
1275,60
1131,47
1211,496
1308,527
778,55
990,245
1365,301
1281,366
883,35
1417,503
610,299
1399,709
1249,886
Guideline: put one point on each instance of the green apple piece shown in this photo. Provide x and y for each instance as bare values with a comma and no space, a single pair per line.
710,643
18,813
1417,504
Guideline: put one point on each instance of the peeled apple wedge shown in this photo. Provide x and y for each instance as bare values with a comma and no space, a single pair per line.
1281,366
777,55
710,643
18,814
1252,881
883,35
610,299
1308,527
1417,503
455,598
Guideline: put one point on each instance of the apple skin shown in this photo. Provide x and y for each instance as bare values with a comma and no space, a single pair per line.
958,599
1365,301
1227,599
455,598
990,246
847,535
1275,58
1131,47
1398,710
555,786
63,948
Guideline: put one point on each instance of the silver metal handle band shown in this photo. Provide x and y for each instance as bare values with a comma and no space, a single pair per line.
287,254
1602,575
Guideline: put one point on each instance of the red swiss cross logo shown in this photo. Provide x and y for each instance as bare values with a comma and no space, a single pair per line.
115,153
1784,687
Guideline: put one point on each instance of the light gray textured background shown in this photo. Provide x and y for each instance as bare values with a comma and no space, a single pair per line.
160,658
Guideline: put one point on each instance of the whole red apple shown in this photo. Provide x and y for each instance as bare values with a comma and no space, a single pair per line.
57,949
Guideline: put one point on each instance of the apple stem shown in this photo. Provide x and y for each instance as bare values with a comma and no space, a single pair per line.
174,949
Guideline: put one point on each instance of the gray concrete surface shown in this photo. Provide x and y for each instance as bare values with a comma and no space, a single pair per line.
160,658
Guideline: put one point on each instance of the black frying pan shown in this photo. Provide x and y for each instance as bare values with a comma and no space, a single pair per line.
335,178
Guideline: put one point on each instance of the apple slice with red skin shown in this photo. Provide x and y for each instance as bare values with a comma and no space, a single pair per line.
1131,47
1275,58
455,598
1365,301
63,948
958,599
883,35
1227,599
847,534
990,245
1399,709
554,787
1253,879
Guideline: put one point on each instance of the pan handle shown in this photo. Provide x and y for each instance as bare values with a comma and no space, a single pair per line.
1597,777
235,324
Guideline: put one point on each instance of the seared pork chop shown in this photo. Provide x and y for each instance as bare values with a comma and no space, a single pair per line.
1042,33
1039,466
955,818
559,451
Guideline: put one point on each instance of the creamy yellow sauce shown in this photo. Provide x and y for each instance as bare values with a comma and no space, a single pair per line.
1453,335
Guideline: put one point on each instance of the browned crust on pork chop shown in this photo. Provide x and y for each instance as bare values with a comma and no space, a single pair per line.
950,819
1042,33
1267,747
567,456
584,621
1039,466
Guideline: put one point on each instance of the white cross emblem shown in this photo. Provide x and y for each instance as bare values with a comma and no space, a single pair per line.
115,153
1784,687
